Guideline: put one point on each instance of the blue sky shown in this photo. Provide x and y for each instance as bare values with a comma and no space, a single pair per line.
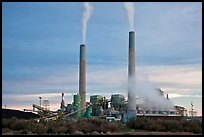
40,47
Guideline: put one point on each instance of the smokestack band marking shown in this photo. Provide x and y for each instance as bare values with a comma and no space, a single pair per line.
83,52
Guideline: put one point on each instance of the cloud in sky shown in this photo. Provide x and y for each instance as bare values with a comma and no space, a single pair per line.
180,77
177,76
103,82
187,96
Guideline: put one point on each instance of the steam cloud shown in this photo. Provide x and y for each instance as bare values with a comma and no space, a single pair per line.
86,15
129,8
145,89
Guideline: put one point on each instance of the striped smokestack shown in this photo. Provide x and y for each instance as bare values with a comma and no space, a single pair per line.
82,76
131,74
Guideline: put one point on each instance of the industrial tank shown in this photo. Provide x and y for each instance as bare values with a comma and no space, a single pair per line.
88,112
77,105
95,99
97,102
117,101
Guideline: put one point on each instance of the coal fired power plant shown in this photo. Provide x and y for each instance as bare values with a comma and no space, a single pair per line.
117,92
116,108
82,76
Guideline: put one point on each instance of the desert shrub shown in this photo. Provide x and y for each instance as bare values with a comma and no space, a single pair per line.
18,124
102,128
196,129
96,122
189,126
85,126
17,132
62,130
52,127
39,129
6,123
165,125
154,126
186,125
111,127
172,125
98,125
138,123
50,130
6,130
162,125
107,126
24,131
70,127
65,127
131,123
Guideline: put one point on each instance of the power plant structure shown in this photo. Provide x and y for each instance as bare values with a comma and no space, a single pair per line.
82,76
116,108
113,109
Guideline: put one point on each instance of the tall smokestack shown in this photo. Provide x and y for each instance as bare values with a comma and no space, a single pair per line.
131,74
82,76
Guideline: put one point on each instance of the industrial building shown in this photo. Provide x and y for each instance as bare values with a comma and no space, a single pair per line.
114,108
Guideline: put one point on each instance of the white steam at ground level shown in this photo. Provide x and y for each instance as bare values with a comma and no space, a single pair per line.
152,97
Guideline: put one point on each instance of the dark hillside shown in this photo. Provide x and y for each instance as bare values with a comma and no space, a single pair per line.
9,113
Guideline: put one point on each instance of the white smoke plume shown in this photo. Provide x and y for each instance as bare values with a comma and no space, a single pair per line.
146,90
129,8
86,15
